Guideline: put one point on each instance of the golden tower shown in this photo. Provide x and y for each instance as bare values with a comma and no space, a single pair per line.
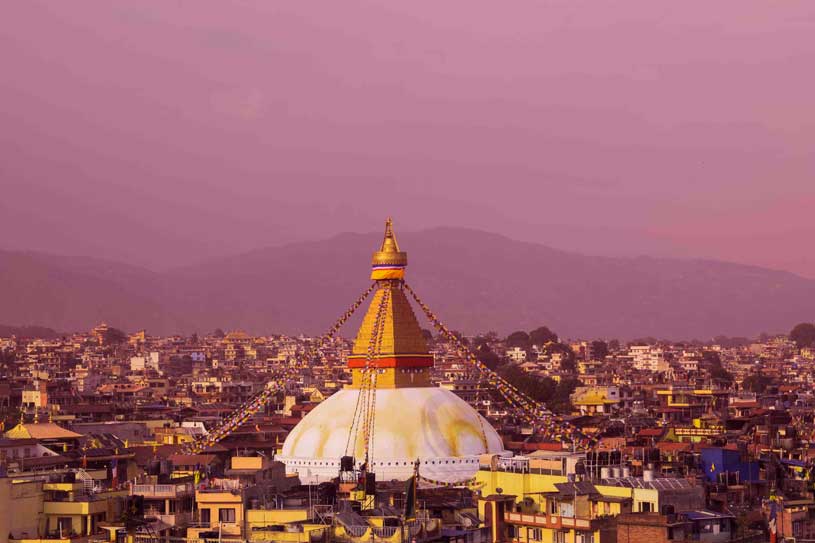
398,350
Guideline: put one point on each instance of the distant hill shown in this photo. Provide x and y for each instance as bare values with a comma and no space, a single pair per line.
475,281
28,331
75,293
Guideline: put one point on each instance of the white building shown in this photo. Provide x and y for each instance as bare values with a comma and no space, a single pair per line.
516,354
141,363
648,358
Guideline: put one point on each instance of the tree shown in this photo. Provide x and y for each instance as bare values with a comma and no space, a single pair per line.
428,335
539,389
218,333
567,360
113,336
803,335
599,349
542,336
756,382
479,342
518,339
713,362
561,398
458,335
487,357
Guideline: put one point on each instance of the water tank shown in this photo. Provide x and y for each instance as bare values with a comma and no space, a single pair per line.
347,463
605,473
648,475
616,472
626,472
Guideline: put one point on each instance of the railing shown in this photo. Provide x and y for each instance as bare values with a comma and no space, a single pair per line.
428,530
549,521
180,518
160,491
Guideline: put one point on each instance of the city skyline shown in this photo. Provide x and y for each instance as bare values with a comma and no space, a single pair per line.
427,272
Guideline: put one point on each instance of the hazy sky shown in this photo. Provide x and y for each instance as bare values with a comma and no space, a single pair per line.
168,131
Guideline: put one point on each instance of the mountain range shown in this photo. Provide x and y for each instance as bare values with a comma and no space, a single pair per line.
475,281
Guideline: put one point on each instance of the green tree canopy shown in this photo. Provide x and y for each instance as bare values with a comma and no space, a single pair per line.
599,349
488,357
756,382
713,363
460,337
537,388
803,334
518,339
567,361
542,336
114,336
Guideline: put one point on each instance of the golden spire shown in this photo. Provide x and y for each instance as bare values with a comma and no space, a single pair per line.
400,347
389,244
388,262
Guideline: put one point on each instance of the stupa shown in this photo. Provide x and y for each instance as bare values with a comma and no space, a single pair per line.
412,419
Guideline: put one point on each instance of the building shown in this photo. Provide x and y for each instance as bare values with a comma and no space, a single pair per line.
410,417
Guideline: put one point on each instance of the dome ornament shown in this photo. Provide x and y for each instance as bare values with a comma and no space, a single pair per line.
388,262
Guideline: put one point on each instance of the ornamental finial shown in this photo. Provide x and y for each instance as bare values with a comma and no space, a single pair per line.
389,262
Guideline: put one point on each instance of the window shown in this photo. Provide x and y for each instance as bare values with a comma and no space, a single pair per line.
64,526
560,537
645,507
584,537
226,515
535,534
512,531
797,528
205,516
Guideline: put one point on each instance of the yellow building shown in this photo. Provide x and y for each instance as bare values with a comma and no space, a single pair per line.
284,525
218,511
34,511
549,509
595,399
68,509
20,510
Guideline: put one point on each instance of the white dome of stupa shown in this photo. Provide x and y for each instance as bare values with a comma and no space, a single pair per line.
430,424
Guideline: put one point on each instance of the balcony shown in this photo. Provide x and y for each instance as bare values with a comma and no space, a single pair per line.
179,518
162,491
548,521
74,508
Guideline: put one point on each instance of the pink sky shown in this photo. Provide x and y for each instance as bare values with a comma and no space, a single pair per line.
164,132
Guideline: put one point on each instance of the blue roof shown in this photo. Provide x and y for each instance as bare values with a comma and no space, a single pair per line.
705,514
791,462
